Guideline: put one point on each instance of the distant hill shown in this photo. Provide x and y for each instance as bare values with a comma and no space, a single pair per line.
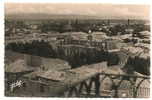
45,17
37,16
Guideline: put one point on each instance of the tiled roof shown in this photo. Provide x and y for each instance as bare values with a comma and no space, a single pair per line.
17,66
55,64
52,75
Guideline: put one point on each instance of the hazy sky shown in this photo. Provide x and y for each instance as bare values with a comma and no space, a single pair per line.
103,10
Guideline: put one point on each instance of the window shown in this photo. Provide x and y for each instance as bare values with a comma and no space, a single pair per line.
41,88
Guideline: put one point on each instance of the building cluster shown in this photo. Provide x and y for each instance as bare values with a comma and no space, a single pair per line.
61,54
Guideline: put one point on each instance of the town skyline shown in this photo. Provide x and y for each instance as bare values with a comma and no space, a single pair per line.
97,10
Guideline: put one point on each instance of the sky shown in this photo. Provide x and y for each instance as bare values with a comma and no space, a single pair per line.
100,10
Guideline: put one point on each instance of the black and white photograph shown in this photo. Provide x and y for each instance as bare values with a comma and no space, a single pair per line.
76,50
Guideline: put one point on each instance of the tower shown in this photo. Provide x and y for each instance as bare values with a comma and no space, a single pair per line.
128,22
108,22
